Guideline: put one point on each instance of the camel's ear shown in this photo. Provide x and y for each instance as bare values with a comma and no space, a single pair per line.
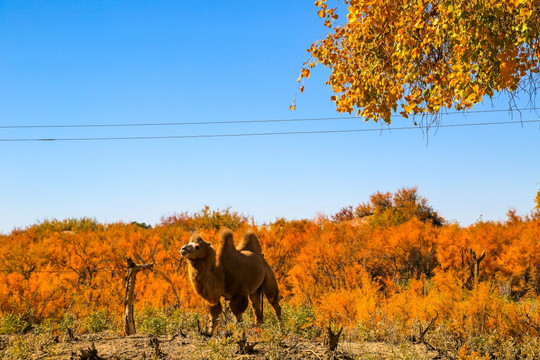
204,243
197,238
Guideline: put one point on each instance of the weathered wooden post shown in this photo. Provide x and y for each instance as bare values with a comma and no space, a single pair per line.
132,270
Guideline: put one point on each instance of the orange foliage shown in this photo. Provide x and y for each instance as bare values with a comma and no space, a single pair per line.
358,274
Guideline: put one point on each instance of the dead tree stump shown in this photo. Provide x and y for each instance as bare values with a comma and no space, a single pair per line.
245,347
132,270
89,354
422,334
332,338
474,264
158,354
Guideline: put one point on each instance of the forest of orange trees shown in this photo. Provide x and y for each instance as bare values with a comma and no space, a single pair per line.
388,266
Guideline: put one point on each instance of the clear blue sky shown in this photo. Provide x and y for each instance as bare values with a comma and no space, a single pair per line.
113,62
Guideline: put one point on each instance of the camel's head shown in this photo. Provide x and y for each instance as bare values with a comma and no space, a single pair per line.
196,249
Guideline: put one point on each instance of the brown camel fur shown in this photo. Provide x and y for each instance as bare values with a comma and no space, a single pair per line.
235,273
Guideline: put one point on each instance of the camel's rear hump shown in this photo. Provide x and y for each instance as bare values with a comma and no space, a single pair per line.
250,242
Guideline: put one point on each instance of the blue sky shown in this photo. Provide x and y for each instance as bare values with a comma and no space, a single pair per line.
114,62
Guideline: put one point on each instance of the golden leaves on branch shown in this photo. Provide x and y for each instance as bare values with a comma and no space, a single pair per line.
423,56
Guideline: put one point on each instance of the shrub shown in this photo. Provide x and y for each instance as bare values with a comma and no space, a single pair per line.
11,324
153,321
207,219
300,320
18,348
98,321
68,324
46,327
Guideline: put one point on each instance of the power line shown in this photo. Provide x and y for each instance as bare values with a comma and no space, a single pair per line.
198,136
231,121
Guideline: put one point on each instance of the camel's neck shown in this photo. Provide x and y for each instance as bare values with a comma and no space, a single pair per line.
207,278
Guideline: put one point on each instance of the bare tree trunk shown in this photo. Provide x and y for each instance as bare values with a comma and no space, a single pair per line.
332,339
475,265
132,270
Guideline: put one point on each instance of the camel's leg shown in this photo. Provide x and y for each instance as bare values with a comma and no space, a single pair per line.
256,302
238,305
274,301
215,311
271,291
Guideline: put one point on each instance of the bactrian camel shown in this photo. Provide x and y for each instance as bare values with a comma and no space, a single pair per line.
234,273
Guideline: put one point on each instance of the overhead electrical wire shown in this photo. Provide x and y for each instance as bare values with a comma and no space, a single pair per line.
264,133
233,121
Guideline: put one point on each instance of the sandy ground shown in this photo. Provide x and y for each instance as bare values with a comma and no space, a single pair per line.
194,346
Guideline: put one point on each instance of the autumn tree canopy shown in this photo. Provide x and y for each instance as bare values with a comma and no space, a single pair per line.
422,56
392,209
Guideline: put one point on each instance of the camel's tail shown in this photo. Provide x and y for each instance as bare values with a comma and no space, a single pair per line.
250,242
